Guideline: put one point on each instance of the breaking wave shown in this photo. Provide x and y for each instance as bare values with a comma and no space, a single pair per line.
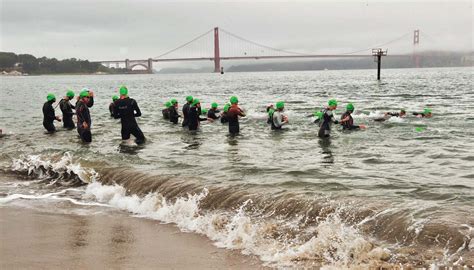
283,229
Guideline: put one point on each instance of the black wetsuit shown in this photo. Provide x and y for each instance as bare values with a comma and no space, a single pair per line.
166,113
422,114
89,104
83,115
127,109
349,124
325,125
173,114
66,107
111,109
185,114
193,118
233,118
212,114
393,114
276,116
49,117
224,118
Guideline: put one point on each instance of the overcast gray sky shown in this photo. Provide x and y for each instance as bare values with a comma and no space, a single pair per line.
110,30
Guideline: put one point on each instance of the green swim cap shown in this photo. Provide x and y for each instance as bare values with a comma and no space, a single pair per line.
350,107
204,111
70,94
427,110
214,105
84,93
234,100
114,98
419,129
270,112
168,104
189,98
332,102
226,107
123,90
318,114
174,101
195,102
280,105
50,97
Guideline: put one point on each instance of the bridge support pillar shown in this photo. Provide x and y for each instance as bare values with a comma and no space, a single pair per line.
150,66
127,64
416,42
217,58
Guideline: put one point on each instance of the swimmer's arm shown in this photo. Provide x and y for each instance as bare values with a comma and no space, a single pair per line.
138,113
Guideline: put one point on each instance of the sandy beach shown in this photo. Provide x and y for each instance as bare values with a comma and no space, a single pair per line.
38,240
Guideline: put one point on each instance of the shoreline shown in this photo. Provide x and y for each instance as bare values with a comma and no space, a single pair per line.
33,239
240,71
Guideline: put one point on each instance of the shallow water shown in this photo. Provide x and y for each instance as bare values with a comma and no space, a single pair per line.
388,194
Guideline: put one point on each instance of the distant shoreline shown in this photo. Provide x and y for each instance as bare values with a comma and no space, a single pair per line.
187,71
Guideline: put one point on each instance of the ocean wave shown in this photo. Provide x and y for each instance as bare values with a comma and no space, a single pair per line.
334,242
59,169
283,229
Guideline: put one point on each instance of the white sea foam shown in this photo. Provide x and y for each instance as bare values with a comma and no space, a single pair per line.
44,167
334,243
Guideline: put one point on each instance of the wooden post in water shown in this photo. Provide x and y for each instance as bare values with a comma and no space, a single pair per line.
378,53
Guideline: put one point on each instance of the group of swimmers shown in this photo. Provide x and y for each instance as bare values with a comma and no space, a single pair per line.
192,113
126,109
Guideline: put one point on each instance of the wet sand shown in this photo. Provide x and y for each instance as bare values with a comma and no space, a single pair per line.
31,239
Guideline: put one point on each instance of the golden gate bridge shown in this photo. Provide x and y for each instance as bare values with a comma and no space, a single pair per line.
216,53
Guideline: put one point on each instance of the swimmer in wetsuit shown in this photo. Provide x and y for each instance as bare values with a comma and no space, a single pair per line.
166,110
112,105
173,111
233,116
66,108
213,112
127,109
49,115
425,114
277,117
194,113
90,103
270,111
84,120
347,121
387,115
327,119
189,101
224,118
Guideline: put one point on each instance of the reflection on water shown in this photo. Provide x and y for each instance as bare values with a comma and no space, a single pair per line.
126,148
191,139
325,144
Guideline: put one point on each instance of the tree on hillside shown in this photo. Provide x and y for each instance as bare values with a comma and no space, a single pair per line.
7,60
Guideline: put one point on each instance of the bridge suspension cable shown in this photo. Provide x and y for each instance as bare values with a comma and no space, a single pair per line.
380,45
260,45
257,45
300,53
184,45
